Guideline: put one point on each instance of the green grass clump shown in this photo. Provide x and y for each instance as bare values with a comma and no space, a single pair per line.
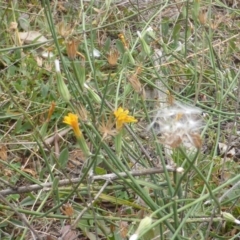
103,146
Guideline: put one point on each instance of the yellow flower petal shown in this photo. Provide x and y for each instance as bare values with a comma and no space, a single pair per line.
72,120
123,117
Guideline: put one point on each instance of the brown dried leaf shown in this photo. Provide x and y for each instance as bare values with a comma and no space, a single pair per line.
138,70
113,58
172,140
72,46
48,237
31,36
3,152
134,81
7,172
137,86
30,171
170,98
61,8
202,17
218,20
68,210
67,233
76,158
196,139
123,229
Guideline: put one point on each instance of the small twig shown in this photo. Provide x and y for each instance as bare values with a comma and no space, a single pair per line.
21,216
106,177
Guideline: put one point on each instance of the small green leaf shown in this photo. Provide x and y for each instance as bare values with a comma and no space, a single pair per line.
176,32
195,10
24,21
120,46
44,90
18,125
43,130
28,201
100,171
14,197
107,44
63,158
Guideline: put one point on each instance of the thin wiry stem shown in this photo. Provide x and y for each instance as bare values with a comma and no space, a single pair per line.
110,177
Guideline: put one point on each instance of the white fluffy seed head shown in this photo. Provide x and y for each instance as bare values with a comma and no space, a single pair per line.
178,124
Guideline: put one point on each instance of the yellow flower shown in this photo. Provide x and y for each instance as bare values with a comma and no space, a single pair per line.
72,120
123,117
